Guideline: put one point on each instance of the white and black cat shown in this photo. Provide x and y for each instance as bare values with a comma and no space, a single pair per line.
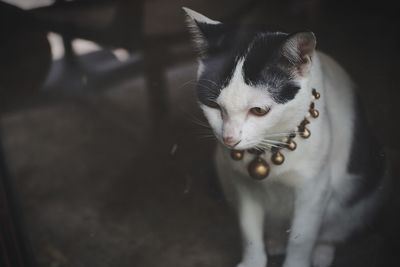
255,87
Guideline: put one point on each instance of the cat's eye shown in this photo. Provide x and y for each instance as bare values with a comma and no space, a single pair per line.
212,104
259,111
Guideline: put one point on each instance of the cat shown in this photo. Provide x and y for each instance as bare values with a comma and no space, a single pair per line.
256,87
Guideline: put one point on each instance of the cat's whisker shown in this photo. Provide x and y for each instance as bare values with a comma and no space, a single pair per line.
256,142
204,86
253,143
259,148
208,137
270,144
283,133
194,82
262,144
207,80
264,147
187,83
196,120
269,147
275,141
280,134
209,90
272,140
203,131
202,124
214,83
201,127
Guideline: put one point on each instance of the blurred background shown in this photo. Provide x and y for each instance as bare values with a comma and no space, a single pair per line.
105,160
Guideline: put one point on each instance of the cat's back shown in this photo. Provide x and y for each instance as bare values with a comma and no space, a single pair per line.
355,151
338,97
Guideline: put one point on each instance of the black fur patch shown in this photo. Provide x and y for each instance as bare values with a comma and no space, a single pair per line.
367,158
264,65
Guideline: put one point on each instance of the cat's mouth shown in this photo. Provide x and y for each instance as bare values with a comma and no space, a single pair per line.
259,145
241,147
232,144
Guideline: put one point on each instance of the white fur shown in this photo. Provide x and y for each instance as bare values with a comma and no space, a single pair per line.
298,207
199,17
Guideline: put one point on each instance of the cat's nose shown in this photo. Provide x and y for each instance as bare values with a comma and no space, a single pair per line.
230,141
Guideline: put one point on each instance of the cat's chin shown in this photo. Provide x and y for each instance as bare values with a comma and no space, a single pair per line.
242,148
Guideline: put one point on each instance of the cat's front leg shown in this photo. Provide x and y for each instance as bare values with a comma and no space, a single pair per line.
251,221
311,202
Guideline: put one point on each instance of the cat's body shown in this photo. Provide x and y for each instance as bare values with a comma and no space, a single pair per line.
328,151
330,186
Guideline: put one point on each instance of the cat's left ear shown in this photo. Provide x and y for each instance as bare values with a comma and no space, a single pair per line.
299,49
207,33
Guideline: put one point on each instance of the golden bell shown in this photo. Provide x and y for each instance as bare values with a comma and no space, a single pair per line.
316,94
305,133
304,122
314,113
277,158
258,169
291,145
237,154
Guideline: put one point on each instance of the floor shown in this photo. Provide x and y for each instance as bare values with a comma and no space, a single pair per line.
104,182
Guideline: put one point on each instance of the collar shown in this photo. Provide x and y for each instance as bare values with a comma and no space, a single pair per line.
258,168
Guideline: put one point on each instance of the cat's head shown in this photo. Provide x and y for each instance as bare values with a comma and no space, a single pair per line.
251,82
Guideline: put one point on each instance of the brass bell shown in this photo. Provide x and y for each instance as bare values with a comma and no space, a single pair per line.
305,133
258,169
304,122
314,113
291,145
237,154
316,94
277,158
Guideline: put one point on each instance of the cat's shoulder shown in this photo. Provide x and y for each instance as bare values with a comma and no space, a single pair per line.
332,68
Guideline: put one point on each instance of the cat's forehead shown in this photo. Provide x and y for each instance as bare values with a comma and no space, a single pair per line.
254,55
238,95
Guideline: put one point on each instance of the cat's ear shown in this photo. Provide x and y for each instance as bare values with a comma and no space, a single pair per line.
299,49
206,33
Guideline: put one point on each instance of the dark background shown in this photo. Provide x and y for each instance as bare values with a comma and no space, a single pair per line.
108,158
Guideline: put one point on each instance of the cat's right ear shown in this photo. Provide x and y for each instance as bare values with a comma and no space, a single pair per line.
206,33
